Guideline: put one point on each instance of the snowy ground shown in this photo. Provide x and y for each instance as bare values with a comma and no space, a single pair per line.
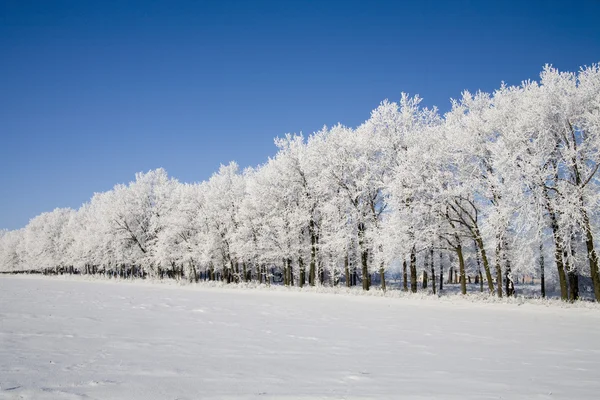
65,339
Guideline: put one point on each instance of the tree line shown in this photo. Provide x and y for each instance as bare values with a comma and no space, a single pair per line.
503,185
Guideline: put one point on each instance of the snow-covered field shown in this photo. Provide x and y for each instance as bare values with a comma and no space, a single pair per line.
66,339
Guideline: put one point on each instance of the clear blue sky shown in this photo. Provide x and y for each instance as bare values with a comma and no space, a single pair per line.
93,91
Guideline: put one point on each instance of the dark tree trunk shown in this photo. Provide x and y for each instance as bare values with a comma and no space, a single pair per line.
364,256
365,269
589,238
302,277
499,267
542,276
558,248
510,286
479,276
432,270
573,284
313,254
441,272
413,270
461,267
486,263
572,275
347,271
404,277
592,255
321,273
195,272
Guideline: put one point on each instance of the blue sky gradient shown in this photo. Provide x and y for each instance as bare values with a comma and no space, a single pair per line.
93,91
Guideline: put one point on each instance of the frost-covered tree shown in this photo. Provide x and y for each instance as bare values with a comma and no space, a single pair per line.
10,257
40,247
503,185
223,194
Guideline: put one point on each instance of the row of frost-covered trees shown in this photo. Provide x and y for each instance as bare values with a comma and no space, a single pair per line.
504,185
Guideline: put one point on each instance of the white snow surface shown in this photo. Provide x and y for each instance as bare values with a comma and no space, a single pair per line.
64,339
